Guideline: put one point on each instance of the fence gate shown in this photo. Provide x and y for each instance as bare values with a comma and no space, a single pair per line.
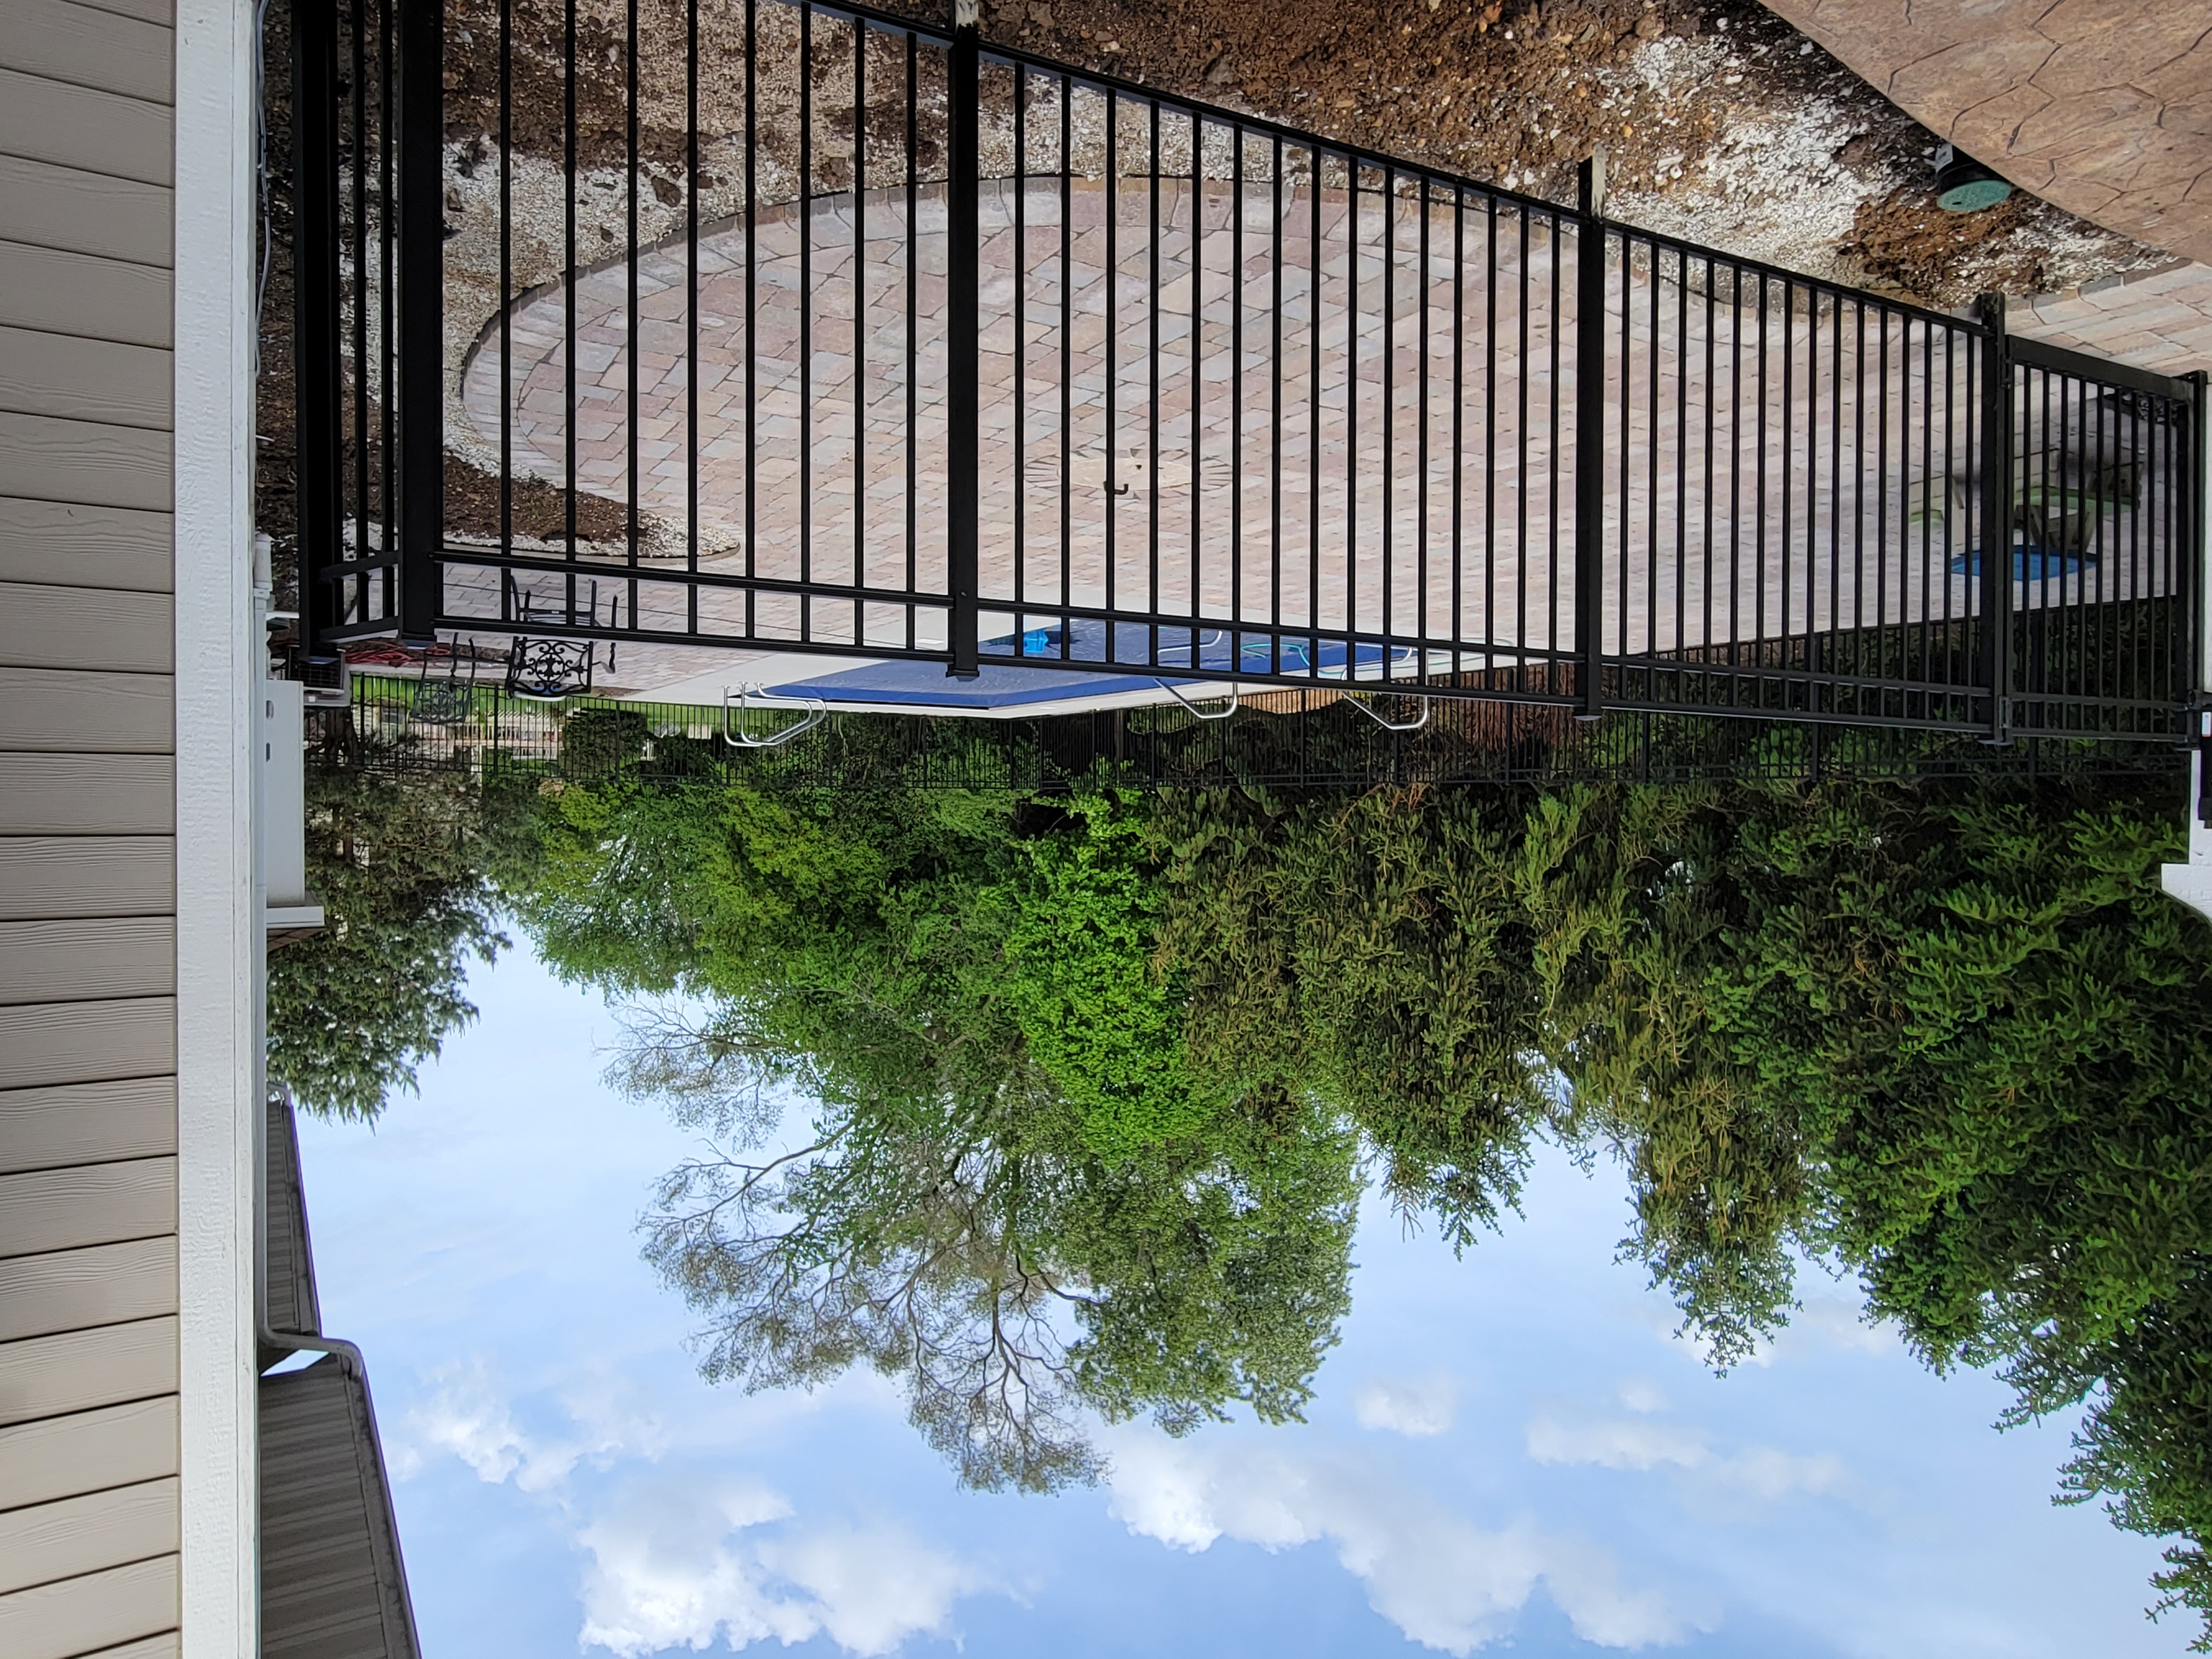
741,323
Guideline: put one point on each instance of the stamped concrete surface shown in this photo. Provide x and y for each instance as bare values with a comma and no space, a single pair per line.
2102,106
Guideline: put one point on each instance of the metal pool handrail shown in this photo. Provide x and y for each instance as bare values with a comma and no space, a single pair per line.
737,700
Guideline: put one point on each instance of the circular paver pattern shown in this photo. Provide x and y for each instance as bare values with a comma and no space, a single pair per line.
1265,406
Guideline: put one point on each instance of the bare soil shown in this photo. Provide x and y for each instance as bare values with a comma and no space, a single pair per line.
1519,93
1905,244
1721,121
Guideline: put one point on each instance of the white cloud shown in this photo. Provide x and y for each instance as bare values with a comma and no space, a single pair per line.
679,1565
1412,1408
1817,1323
469,1418
873,1587
1445,1583
614,1414
1617,1444
1763,1472
1844,1325
1759,1472
1639,1396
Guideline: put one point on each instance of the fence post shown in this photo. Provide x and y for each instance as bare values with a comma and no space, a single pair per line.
317,388
1996,525
2196,588
964,329
2196,616
1589,433
417,471
2191,881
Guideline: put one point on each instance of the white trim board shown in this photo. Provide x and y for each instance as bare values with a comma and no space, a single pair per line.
219,923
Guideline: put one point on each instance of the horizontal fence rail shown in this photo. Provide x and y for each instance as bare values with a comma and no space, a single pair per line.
805,327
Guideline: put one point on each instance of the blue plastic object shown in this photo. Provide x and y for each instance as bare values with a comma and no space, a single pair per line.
1029,667
1218,649
2029,564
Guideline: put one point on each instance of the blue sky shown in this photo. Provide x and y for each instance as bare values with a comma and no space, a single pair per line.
1506,1450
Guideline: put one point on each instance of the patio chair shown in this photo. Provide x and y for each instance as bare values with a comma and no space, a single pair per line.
549,671
449,701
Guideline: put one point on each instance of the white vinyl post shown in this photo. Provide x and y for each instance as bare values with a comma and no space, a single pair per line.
221,933
2192,883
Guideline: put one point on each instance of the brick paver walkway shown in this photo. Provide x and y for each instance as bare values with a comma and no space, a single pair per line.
1313,412
2159,320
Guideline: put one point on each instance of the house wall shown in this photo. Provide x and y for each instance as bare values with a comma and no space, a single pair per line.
98,1533
90,1514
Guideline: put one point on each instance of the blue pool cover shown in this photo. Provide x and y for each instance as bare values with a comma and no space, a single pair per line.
2029,563
1094,670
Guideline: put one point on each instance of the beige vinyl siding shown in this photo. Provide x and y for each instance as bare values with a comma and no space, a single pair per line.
91,463
63,293
49,1042
84,711
146,11
43,876
87,1532
53,626
89,1510
69,794
164,1646
48,1621
72,126
79,1204
89,1133
71,545
87,959
75,378
80,45
41,1295
85,212
76,1370
61,1457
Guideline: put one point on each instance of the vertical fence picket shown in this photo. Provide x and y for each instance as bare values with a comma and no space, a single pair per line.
964,328
420,392
1996,541
318,405
1589,438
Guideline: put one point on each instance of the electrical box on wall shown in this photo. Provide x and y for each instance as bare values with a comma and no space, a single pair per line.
283,774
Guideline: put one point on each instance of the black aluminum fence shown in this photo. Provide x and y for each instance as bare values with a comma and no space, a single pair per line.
805,327
399,726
